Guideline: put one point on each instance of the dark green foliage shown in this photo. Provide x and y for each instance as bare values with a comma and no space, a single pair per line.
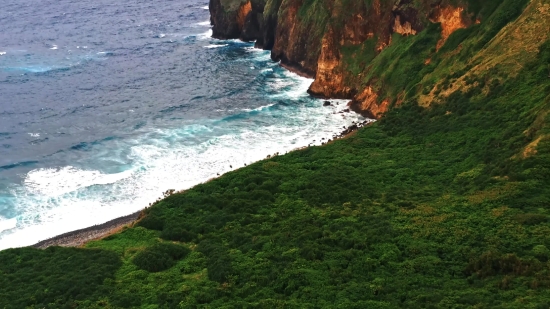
177,232
159,257
153,261
55,277
152,222
218,261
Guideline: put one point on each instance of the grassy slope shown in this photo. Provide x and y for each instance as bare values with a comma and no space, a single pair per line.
445,206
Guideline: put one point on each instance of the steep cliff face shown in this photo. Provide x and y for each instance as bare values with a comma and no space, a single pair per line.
237,19
296,44
350,26
349,46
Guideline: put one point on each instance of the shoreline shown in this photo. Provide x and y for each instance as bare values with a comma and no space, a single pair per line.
80,237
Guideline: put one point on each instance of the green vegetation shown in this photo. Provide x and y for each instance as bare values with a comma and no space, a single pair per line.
55,277
159,257
443,206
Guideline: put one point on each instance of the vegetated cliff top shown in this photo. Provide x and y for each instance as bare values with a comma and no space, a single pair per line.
444,202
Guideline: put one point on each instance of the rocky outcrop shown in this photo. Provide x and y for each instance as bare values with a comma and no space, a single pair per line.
451,19
237,19
363,24
309,37
367,104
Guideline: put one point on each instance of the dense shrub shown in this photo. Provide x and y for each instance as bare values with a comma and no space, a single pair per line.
177,232
55,277
159,257
218,261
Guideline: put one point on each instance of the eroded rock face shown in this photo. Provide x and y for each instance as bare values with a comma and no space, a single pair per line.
366,103
309,37
376,22
451,19
237,19
329,81
403,28
292,45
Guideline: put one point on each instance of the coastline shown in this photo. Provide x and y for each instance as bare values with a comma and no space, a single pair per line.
80,237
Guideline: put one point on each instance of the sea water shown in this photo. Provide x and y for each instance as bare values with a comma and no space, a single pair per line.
106,104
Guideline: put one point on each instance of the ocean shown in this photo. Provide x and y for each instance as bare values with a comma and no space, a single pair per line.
104,105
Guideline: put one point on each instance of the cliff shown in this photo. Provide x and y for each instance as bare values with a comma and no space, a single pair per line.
345,45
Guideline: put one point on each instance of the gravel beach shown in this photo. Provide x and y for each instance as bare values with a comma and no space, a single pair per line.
80,237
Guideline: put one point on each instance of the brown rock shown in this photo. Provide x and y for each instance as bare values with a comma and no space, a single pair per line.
366,103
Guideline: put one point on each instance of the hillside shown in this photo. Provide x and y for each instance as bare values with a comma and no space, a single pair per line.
442,203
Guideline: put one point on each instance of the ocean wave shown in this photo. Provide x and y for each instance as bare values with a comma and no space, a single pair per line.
203,23
258,108
39,63
19,164
215,46
204,35
55,182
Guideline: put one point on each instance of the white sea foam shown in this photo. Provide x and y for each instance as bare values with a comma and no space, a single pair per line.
253,49
204,23
215,46
258,108
302,85
205,7
205,35
34,134
55,182
54,47
261,55
2,53
7,224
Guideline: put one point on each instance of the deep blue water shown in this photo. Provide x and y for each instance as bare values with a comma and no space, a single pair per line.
106,104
